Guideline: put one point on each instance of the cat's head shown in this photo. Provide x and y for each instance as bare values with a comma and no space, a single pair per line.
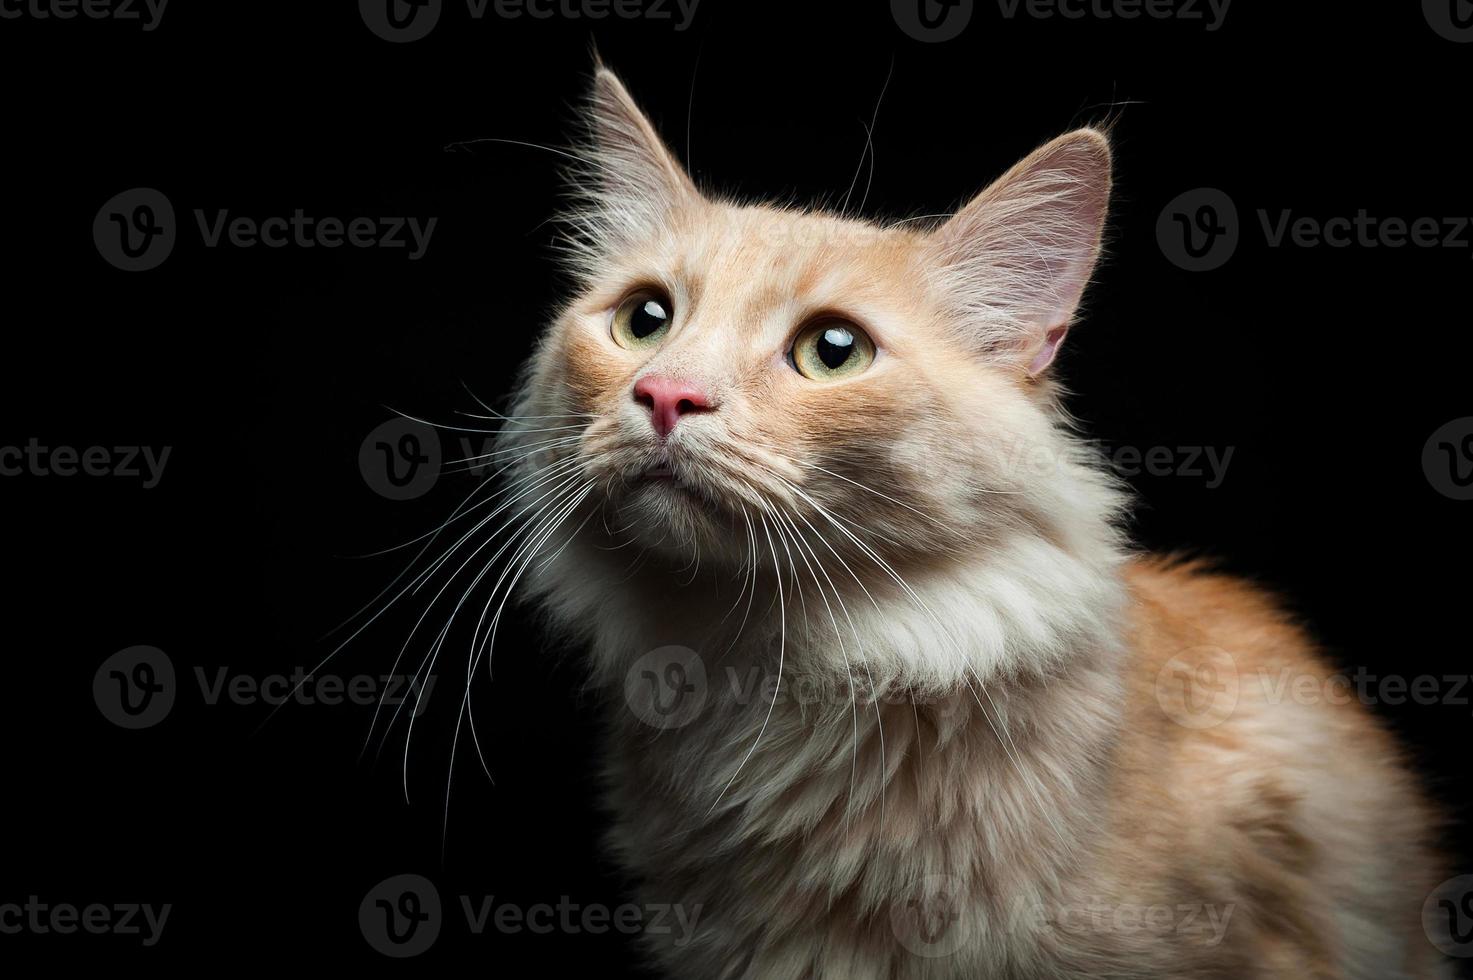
740,378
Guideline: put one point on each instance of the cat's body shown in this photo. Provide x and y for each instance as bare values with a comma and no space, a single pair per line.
1109,840
948,727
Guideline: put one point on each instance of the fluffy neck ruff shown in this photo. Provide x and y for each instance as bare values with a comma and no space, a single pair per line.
854,751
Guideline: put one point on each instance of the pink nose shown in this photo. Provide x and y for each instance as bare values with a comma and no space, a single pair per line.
668,399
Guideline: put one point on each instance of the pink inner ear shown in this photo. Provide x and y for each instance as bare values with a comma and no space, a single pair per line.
1045,355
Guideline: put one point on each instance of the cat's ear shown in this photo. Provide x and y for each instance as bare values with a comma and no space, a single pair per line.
630,179
1016,258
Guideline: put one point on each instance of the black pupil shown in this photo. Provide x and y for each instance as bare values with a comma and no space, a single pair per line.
647,318
835,346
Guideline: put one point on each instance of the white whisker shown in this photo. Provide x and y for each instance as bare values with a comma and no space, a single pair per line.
777,688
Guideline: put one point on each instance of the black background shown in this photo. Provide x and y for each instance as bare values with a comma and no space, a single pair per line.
1325,369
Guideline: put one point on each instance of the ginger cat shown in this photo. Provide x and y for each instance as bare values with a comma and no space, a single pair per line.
781,469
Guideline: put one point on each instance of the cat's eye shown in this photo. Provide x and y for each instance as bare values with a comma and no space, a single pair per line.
642,319
830,349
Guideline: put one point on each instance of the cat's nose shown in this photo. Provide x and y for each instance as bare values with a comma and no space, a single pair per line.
669,399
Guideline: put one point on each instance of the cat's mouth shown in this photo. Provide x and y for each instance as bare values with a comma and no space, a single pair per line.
663,477
660,477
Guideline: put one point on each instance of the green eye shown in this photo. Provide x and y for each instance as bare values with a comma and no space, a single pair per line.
831,349
642,320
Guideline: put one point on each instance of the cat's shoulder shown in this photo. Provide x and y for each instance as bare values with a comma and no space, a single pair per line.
1181,600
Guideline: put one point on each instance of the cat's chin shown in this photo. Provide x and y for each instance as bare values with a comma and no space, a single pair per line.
669,515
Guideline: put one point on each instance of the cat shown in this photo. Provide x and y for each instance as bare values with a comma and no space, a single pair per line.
888,692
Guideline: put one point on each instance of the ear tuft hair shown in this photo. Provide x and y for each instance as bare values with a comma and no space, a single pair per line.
1018,256
626,183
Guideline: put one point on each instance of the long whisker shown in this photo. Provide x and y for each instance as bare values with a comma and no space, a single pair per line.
848,674
519,430
518,418
465,703
432,656
752,595
556,493
455,515
781,654
581,160
898,503
412,586
458,514
538,479
520,449
838,597
541,536
453,428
